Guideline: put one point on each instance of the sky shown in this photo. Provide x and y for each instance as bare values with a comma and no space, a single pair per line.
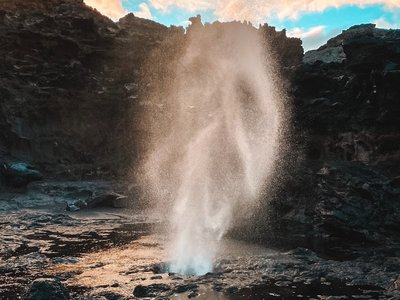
314,21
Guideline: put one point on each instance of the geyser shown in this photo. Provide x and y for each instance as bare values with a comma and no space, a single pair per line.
215,153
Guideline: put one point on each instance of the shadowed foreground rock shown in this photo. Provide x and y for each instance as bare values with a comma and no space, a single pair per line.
152,290
19,174
347,109
48,289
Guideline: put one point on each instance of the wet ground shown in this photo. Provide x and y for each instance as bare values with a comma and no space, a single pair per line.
115,254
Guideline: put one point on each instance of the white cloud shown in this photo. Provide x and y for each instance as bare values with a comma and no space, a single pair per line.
189,5
144,11
309,33
109,8
312,38
257,11
114,9
382,23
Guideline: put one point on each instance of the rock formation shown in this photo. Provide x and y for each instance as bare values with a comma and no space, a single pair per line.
346,115
71,99
69,78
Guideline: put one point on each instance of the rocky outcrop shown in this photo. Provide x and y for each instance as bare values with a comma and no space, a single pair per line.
69,77
72,90
19,174
73,86
346,111
152,290
349,106
326,56
287,51
48,289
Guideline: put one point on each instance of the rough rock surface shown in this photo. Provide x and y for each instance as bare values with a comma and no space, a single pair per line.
342,187
70,105
48,289
326,55
105,254
71,80
19,174
68,79
33,241
151,290
70,195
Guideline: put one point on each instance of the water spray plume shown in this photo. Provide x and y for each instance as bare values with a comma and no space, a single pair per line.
218,151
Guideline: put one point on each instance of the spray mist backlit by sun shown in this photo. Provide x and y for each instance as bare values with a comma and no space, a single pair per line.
218,150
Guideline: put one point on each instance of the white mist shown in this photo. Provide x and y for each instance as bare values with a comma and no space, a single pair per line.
218,152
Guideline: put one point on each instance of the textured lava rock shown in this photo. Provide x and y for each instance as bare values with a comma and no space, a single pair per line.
69,80
48,289
19,174
348,104
152,290
73,90
185,288
327,55
72,80
334,191
86,199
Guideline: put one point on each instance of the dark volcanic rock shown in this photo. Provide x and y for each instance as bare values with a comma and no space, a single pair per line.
73,86
86,199
343,204
72,80
326,55
346,112
352,98
185,288
347,107
152,290
19,174
48,289
69,84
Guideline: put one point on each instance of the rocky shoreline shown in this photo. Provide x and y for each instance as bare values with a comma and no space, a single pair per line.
72,93
109,254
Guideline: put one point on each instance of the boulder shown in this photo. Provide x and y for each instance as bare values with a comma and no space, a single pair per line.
86,199
183,288
152,290
19,174
71,89
48,289
327,56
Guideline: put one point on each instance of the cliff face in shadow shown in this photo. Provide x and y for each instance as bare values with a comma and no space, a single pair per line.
70,104
70,86
69,78
345,189
347,96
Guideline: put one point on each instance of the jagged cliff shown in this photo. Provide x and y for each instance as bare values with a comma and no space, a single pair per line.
71,83
345,190
348,97
68,82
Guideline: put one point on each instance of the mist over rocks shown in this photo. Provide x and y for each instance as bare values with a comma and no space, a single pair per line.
214,143
71,104
71,82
